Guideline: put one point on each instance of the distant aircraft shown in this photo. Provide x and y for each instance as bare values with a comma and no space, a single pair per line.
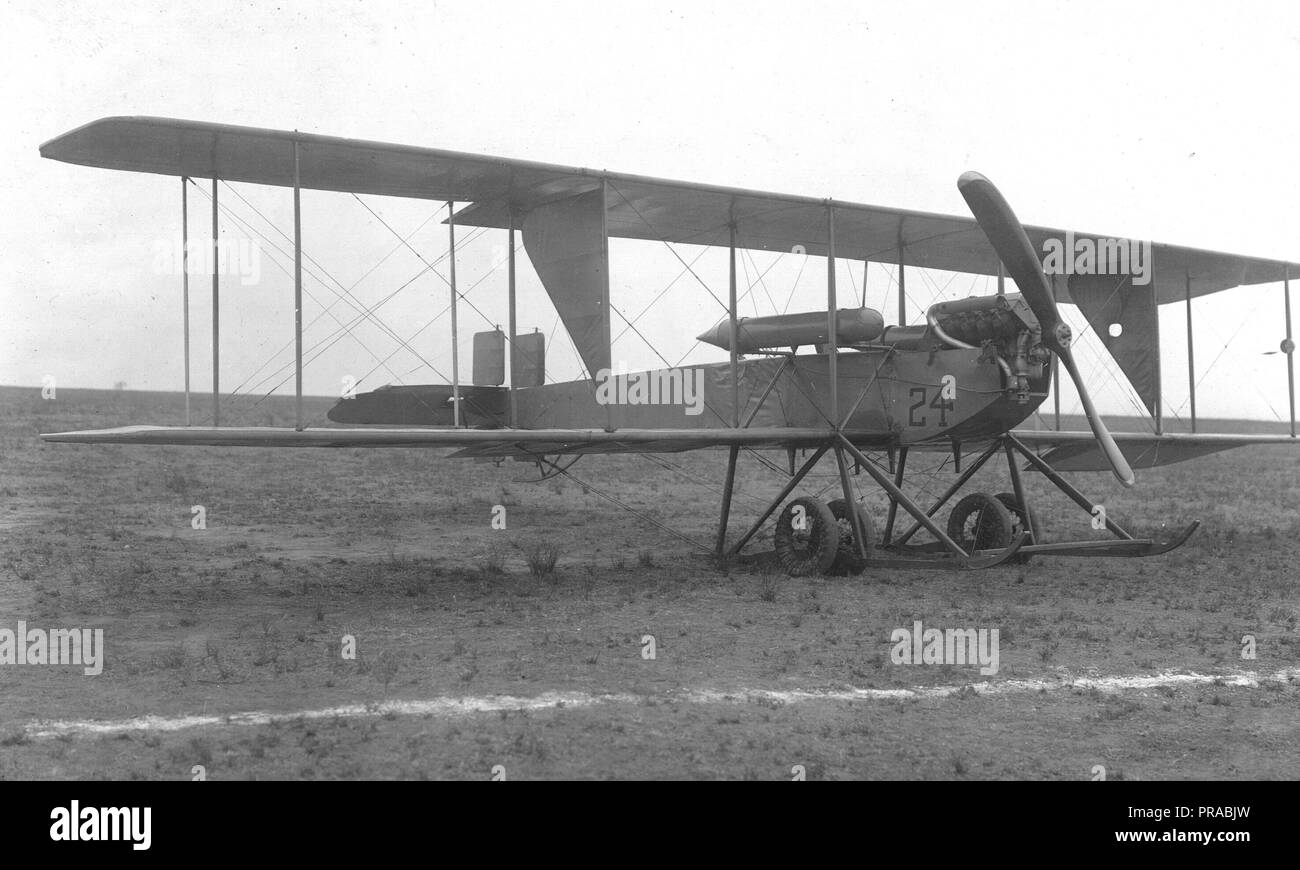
964,379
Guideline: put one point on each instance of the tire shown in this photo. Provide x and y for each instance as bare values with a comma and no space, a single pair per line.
1018,523
991,528
847,560
813,548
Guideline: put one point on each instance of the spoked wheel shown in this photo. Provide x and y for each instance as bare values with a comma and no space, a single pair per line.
1018,525
980,522
807,537
847,560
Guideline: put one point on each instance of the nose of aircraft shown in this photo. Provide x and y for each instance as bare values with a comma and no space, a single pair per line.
1008,237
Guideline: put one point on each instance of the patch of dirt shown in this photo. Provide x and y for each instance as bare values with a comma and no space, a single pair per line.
396,550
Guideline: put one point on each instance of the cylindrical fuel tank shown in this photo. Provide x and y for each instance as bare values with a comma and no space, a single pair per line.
853,326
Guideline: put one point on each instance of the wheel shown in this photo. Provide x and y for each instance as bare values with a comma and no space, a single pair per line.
980,522
807,537
847,560
1018,525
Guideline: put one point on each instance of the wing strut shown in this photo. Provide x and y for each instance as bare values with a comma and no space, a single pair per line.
1289,345
606,343
1159,376
1191,356
297,288
185,284
216,312
833,333
902,282
455,357
1056,378
734,452
510,315
832,319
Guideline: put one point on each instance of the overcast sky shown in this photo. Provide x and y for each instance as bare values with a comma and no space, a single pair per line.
1165,121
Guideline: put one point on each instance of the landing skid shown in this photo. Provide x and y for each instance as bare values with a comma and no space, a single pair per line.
975,561
930,557
1131,549
1134,548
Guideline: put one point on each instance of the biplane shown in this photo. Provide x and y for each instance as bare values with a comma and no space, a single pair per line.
966,378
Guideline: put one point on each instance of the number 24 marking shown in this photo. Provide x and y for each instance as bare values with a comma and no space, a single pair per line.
922,401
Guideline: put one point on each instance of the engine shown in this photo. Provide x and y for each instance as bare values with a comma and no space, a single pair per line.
1003,326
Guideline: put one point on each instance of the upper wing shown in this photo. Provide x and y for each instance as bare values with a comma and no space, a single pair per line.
636,207
475,442
1078,451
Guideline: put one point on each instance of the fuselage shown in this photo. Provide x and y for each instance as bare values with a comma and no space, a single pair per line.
886,395
973,371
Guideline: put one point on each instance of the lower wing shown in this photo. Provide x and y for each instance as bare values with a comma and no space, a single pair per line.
1078,451
1067,451
473,442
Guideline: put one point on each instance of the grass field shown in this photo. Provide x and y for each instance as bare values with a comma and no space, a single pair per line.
396,549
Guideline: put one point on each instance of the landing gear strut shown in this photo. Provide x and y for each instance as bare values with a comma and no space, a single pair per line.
983,530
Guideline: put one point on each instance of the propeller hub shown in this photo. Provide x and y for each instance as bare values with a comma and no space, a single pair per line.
1063,334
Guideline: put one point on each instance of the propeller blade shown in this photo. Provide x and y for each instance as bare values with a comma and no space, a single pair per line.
1008,237
1014,249
1118,464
